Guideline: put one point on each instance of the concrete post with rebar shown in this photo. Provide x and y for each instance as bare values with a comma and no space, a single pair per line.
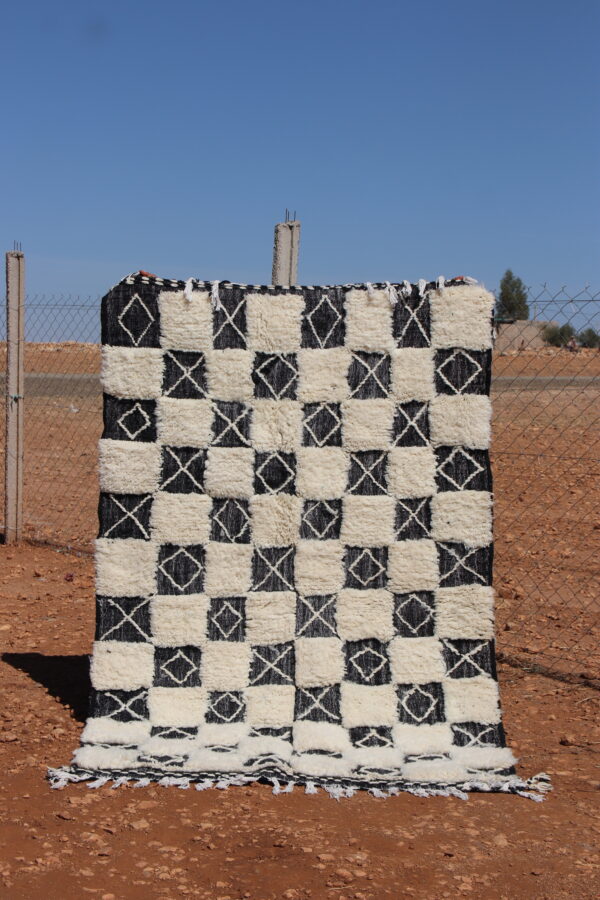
285,253
15,389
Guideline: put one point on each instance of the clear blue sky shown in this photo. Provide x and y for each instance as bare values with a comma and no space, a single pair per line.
413,139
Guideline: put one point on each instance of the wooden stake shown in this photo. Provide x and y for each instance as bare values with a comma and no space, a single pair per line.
15,388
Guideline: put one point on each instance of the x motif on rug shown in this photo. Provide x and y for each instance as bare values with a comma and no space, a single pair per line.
316,616
129,515
412,518
374,366
272,664
186,377
127,617
229,321
411,425
310,704
127,707
183,468
368,480
275,568
230,418
414,316
459,562
462,658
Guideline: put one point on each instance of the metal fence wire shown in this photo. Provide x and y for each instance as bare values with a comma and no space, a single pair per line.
545,458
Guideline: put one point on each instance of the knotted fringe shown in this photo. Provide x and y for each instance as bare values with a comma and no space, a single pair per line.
214,296
392,293
187,291
533,788
214,293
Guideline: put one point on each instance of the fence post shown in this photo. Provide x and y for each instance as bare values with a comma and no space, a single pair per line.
285,252
15,384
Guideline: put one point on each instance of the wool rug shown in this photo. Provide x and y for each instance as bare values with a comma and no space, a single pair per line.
294,560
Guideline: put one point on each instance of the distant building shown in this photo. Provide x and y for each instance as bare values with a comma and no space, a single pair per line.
519,334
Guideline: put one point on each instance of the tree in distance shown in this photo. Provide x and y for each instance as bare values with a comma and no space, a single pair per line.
512,299
589,338
558,335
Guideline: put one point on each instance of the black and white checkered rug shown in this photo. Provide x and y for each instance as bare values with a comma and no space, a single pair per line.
295,550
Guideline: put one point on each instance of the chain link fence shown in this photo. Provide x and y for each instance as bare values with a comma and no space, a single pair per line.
545,458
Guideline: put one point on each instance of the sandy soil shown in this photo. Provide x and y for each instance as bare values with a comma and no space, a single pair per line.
244,842
547,362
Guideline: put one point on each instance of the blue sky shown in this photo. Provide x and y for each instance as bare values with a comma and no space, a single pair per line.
413,139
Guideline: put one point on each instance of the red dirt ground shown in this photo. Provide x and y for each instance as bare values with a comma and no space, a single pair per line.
244,842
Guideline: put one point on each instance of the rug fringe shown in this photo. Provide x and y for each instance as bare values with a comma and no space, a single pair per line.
534,788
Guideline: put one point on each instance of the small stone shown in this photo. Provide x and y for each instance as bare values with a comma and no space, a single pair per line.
344,874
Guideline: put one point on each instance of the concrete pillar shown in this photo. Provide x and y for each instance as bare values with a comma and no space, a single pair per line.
285,253
15,341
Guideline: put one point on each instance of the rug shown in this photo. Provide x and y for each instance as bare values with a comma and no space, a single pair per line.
294,561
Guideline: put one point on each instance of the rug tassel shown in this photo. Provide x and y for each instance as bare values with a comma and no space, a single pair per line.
392,293
534,788
98,782
204,785
118,782
370,290
422,287
214,296
188,290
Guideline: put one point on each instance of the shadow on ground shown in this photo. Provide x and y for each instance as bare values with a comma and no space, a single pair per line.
65,677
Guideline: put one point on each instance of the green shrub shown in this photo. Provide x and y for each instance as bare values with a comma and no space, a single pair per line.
589,338
558,335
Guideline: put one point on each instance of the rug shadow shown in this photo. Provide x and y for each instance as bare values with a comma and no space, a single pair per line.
65,677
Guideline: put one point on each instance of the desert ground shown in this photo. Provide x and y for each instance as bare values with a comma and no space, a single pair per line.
245,842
